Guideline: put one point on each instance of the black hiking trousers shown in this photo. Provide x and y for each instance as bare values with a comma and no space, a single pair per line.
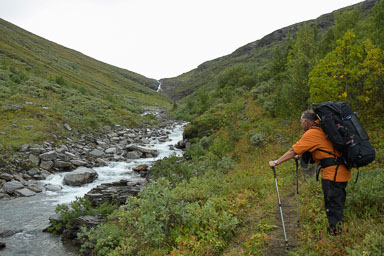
334,199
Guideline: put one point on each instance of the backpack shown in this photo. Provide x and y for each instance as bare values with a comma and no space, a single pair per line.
347,134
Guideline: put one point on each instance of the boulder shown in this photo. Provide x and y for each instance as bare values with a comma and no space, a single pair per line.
46,165
25,192
80,176
78,162
11,186
141,168
6,176
62,149
63,164
53,188
116,192
36,150
142,150
134,155
101,162
35,188
24,148
34,159
96,153
111,151
48,156
33,171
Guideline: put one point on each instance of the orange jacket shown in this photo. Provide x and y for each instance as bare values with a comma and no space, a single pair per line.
315,138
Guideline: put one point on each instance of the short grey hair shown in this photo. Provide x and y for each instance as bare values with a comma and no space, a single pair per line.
309,115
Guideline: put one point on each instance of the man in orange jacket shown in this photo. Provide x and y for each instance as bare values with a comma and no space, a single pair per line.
334,175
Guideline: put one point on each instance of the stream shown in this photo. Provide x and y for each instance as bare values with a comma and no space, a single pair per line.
26,217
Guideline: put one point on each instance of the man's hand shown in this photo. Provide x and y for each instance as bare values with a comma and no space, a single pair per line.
272,164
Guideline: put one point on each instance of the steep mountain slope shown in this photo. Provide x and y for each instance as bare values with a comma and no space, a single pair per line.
255,56
44,85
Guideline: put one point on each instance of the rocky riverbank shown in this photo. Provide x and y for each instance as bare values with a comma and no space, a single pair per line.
21,177
76,159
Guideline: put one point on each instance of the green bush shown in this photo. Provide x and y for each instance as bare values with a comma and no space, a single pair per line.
366,197
79,207
60,80
174,169
205,142
257,138
372,244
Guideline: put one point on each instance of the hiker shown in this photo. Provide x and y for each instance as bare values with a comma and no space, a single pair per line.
334,177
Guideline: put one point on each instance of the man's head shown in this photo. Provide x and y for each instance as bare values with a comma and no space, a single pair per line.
307,119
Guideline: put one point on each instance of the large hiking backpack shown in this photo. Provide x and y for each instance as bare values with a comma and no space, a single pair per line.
346,132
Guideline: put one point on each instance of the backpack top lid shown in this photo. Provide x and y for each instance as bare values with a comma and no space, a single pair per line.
331,108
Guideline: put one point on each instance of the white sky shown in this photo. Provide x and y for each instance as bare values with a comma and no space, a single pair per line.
160,38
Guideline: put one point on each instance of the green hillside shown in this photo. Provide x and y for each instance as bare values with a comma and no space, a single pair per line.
255,56
44,85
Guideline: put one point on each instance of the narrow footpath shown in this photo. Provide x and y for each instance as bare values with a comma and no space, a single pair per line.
276,243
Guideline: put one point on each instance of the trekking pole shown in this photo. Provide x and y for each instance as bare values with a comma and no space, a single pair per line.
281,210
297,192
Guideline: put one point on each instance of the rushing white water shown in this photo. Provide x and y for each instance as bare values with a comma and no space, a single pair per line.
29,216
115,171
159,88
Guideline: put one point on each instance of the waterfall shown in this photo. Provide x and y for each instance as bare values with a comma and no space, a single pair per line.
159,88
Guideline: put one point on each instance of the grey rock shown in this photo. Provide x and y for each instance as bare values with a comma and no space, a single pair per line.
11,186
67,127
53,188
24,148
6,176
33,171
36,150
96,153
25,192
101,162
14,106
102,144
80,176
70,155
63,164
49,156
34,159
142,150
44,174
62,149
35,188
111,151
114,192
134,155
63,157
78,162
46,165
118,158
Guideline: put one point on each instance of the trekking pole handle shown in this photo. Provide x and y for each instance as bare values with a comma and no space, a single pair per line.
274,172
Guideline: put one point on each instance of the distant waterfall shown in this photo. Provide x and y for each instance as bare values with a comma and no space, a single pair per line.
159,88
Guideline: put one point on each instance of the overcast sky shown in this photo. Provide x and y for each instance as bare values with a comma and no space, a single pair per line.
160,38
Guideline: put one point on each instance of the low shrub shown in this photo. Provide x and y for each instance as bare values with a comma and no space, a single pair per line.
257,138
366,197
